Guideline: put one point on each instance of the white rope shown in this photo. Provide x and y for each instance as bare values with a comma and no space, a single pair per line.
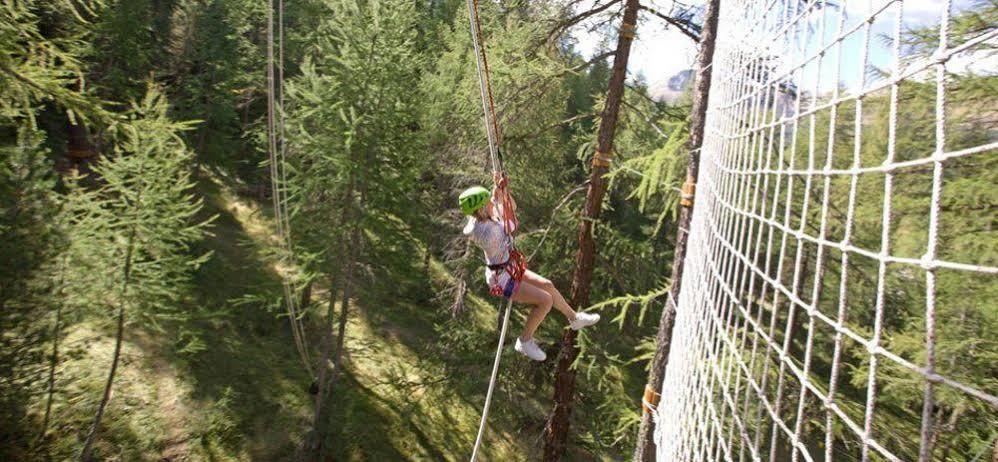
492,132
276,149
772,273
492,381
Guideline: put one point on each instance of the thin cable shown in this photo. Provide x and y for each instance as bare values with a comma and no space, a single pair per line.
276,164
492,381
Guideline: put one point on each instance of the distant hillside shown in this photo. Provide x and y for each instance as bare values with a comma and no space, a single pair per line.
670,90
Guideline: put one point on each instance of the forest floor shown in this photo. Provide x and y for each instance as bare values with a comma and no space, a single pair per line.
235,390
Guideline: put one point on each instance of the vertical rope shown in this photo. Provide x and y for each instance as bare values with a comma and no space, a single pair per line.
928,402
485,86
275,149
493,134
492,382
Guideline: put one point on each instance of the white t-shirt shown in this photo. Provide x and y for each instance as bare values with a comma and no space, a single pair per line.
490,236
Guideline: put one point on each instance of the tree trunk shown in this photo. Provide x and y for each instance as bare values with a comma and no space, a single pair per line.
314,439
87,454
342,328
316,449
340,337
54,359
645,448
556,430
306,295
53,362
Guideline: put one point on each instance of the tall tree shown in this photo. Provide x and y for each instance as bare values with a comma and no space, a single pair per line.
358,158
645,448
134,231
556,431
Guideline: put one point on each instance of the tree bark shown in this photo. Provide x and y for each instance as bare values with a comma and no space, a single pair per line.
53,362
54,358
306,296
342,328
340,333
314,439
556,430
645,448
87,454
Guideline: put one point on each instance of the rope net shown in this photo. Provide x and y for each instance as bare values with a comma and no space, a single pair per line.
839,294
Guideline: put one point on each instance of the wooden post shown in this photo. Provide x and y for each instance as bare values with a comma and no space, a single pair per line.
556,430
645,448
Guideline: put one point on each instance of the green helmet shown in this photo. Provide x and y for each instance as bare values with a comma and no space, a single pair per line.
473,199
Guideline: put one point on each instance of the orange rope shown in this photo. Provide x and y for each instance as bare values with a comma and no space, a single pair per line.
488,73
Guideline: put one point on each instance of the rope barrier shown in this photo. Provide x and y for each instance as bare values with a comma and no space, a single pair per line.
737,386
276,149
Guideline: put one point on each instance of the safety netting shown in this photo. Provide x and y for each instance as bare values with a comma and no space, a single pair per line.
840,293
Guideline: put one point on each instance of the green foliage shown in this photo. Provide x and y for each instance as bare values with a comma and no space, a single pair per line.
37,67
218,74
133,232
383,131
29,205
352,128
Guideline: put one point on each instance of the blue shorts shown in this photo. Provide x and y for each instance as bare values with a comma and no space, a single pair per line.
511,286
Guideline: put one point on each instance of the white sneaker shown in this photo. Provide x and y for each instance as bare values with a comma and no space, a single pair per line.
530,349
584,320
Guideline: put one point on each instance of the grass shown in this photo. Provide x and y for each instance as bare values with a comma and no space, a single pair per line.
229,387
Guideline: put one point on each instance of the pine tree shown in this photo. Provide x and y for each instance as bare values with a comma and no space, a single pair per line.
219,73
37,66
556,432
133,232
357,158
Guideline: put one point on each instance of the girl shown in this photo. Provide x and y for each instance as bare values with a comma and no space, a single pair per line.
489,227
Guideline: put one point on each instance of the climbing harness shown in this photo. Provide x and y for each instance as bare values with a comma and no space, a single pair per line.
278,176
516,265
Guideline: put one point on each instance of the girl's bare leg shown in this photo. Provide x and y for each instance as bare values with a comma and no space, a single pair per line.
542,305
538,281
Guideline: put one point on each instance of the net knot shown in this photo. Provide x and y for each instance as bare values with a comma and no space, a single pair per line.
927,263
941,55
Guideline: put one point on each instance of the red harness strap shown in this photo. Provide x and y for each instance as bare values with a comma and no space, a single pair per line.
515,267
517,264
